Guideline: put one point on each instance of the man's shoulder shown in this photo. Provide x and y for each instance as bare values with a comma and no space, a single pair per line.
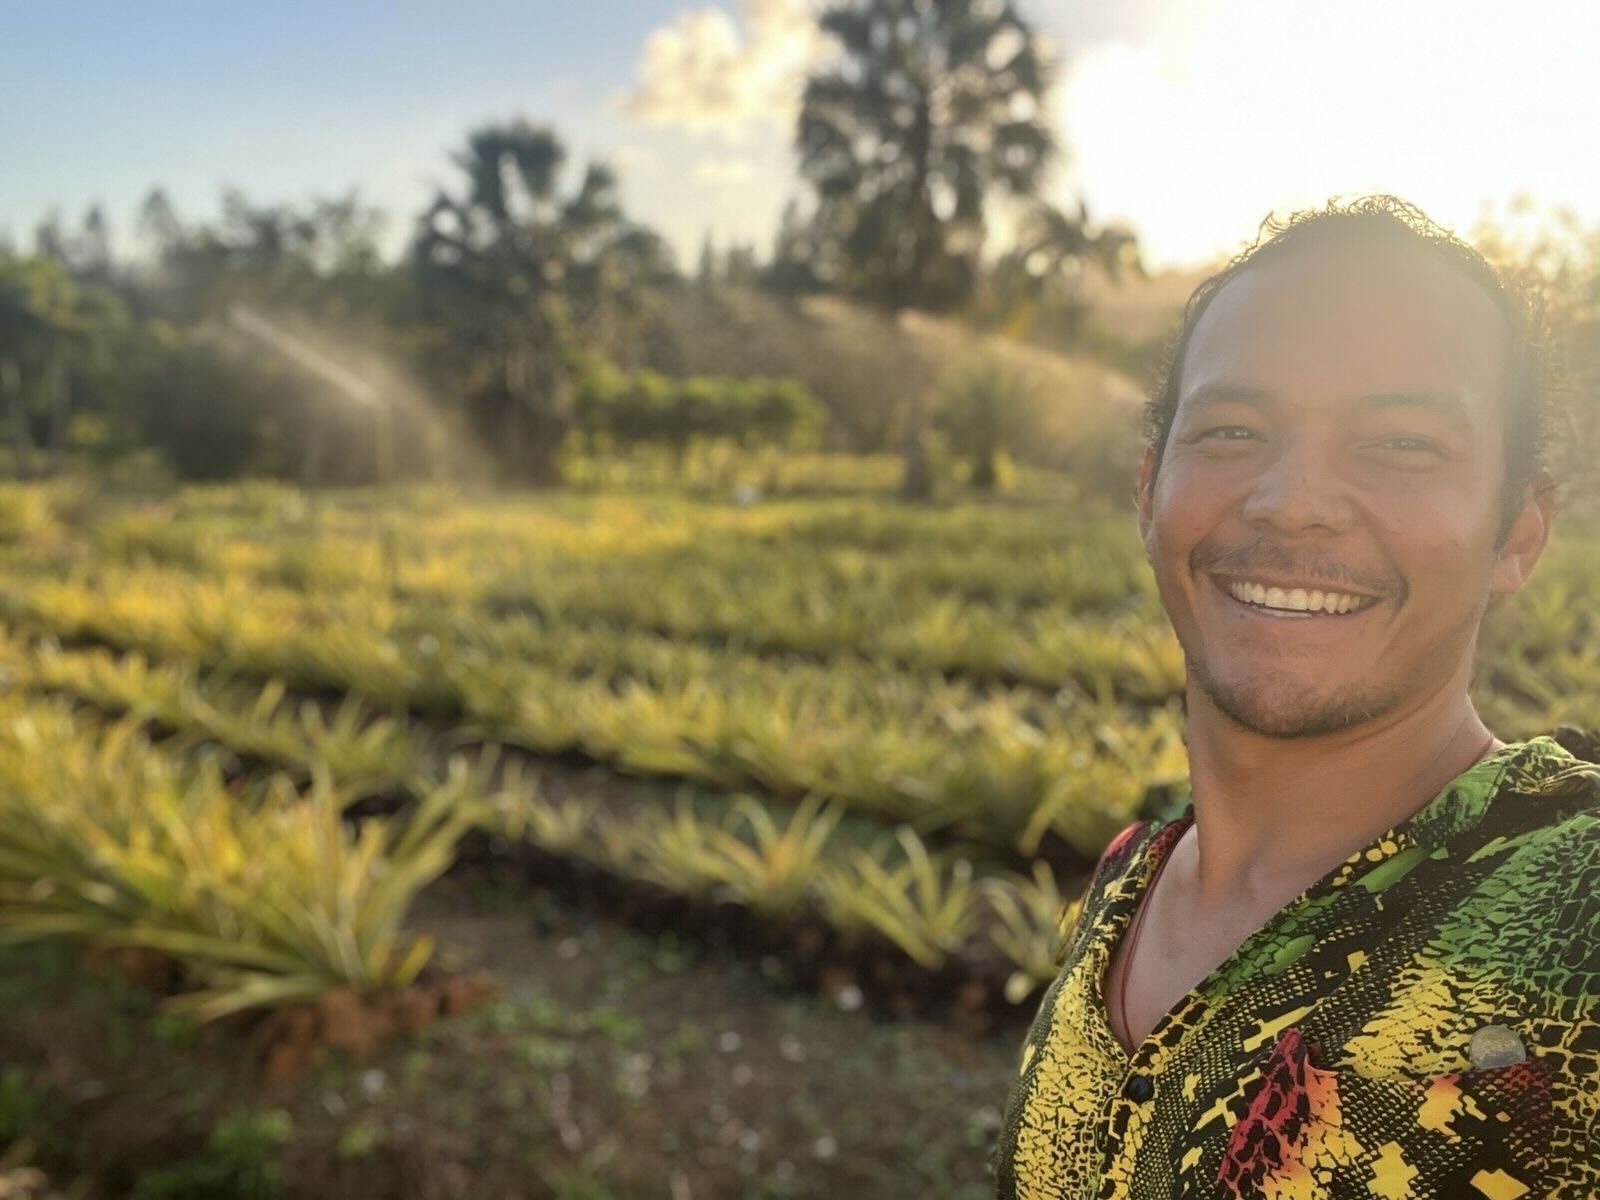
1124,850
1087,910
1120,849
1563,767
1533,866
1550,792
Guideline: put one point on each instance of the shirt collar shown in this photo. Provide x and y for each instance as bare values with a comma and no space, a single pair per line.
1464,802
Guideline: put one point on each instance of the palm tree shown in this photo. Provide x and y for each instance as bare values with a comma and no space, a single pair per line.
933,106
1046,267
505,264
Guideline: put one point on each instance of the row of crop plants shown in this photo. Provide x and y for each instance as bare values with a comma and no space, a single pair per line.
261,891
1003,765
978,593
1127,655
1011,556
933,603
263,896
110,838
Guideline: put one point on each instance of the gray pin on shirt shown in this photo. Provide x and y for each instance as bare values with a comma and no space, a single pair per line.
1496,1046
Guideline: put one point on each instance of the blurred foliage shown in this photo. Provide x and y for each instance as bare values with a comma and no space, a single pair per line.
1556,258
985,407
259,900
239,1161
834,690
930,110
509,270
926,117
618,411
1035,290
530,309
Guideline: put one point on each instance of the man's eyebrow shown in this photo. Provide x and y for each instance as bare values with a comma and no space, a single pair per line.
1226,393
1449,405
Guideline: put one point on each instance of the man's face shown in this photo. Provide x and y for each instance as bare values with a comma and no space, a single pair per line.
1323,521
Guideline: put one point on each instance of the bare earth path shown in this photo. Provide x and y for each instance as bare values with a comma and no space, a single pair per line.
613,1065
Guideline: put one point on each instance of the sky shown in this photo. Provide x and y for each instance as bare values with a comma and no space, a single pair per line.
1190,120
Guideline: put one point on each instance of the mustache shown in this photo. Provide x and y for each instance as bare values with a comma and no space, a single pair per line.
1264,557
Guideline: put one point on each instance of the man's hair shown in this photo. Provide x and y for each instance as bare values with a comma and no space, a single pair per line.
1386,221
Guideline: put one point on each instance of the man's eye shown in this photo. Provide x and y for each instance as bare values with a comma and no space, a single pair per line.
1410,445
1228,433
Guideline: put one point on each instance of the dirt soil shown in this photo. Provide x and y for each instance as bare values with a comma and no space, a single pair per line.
612,1065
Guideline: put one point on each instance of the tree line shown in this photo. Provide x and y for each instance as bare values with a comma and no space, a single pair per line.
533,308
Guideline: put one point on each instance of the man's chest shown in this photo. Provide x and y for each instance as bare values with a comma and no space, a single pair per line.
1170,948
1337,1051
1296,1085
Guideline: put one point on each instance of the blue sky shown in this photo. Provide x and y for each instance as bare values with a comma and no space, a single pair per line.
1189,118
284,99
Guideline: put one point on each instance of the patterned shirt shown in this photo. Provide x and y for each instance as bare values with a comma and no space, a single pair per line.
1424,1021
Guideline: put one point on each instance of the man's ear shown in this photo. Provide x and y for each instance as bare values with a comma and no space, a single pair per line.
1525,540
1147,482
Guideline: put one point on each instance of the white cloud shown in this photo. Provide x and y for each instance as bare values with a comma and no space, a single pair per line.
724,171
632,157
1246,106
705,72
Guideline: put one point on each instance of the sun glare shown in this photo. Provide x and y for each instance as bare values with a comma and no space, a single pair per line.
1241,107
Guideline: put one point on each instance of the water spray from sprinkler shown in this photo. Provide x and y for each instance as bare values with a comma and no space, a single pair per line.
311,360
303,355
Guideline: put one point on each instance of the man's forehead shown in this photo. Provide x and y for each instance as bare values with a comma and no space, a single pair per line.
1362,319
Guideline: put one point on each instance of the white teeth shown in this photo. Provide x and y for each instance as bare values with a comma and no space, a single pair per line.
1293,599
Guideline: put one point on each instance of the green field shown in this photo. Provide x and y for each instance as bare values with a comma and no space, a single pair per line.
749,762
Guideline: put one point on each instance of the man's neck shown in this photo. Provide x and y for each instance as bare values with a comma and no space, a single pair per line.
1272,814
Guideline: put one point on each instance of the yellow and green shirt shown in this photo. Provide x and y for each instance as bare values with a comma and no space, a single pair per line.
1424,1021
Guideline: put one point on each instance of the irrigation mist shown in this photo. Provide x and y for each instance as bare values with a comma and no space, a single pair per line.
357,379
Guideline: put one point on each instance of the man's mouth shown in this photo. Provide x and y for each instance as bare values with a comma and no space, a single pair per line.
1296,599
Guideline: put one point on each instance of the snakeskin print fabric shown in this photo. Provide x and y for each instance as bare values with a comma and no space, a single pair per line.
1338,1052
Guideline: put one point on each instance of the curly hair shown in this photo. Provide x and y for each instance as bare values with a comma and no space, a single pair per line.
1391,222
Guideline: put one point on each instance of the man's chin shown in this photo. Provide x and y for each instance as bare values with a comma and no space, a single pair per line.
1284,710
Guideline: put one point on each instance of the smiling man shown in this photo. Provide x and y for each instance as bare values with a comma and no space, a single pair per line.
1366,960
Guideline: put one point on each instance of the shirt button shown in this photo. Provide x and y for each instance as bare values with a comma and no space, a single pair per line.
1139,1088
1496,1046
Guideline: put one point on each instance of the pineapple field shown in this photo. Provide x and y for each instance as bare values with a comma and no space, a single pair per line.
617,841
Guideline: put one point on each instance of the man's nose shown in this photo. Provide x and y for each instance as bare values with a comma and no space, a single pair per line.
1299,491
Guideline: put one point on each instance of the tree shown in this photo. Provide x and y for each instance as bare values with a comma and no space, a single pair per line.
320,260
1041,277
36,297
934,106
705,275
158,220
510,269
57,336
982,405
795,268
